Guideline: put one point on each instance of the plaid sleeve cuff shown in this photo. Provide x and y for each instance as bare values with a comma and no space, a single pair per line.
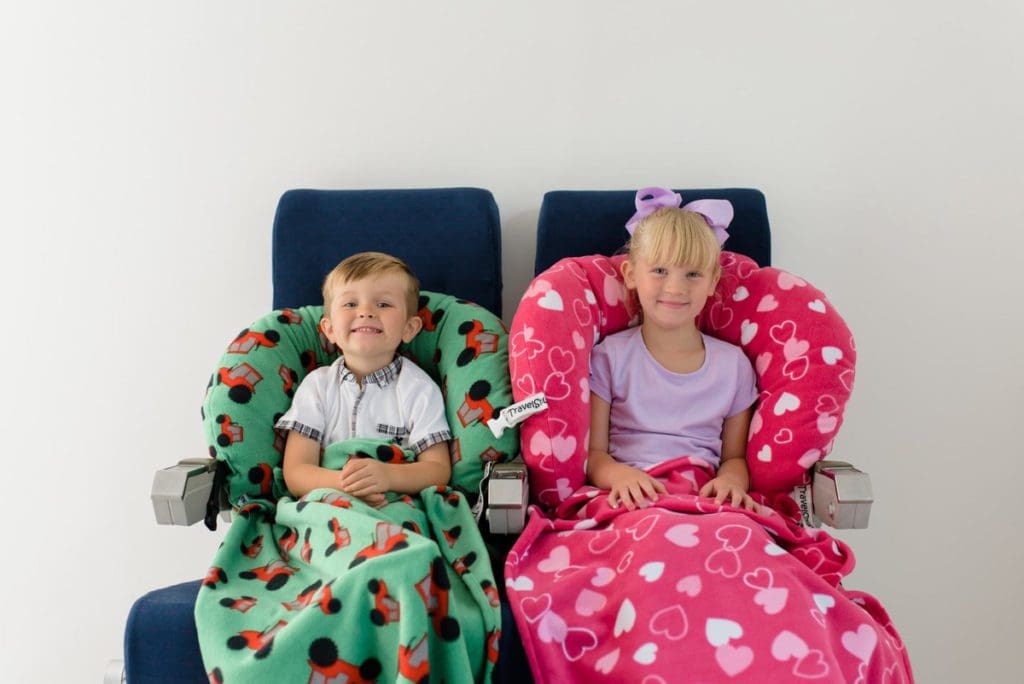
430,440
302,429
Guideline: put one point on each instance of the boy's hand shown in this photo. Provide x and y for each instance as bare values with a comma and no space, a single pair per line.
724,488
631,486
363,477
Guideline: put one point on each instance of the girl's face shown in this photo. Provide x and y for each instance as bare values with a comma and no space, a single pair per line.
670,296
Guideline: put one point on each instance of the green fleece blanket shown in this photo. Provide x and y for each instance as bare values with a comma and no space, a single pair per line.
329,589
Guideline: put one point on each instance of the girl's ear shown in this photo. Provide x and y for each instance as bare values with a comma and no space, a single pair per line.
627,274
412,328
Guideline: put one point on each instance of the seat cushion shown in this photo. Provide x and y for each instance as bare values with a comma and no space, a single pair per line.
160,642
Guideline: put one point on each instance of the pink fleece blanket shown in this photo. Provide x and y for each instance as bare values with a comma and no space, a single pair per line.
689,591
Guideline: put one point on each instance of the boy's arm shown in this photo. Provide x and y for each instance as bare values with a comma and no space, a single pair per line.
364,476
302,471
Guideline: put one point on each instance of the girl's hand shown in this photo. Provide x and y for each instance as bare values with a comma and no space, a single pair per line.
726,489
378,500
630,486
363,477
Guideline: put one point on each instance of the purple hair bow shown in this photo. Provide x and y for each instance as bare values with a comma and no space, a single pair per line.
718,213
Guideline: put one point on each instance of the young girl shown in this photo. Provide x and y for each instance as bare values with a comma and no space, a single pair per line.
664,389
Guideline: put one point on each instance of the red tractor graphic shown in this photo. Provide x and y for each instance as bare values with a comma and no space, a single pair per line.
230,433
261,642
430,318
478,341
327,668
388,537
242,605
289,317
314,594
254,549
476,407
248,340
275,574
242,379
385,608
342,537
288,379
434,590
215,576
413,661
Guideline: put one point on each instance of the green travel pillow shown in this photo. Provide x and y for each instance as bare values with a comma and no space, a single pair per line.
462,346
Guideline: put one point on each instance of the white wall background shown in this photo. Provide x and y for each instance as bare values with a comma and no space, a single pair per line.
145,145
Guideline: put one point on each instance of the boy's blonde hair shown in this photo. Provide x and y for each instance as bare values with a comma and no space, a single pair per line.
368,265
678,238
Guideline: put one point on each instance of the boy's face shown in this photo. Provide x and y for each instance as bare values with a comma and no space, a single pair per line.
368,320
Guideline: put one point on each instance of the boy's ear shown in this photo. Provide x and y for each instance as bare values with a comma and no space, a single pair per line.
412,328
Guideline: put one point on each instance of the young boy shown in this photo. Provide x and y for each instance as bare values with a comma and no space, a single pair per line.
370,303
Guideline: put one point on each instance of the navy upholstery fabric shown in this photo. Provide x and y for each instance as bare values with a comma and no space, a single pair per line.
579,222
160,642
450,237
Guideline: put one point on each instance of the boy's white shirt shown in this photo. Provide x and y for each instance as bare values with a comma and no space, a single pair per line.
398,401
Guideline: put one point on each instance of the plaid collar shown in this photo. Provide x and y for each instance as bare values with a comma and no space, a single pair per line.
381,377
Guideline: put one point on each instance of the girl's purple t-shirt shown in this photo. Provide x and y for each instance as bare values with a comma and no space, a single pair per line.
657,414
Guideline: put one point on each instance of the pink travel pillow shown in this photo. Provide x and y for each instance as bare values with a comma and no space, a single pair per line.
801,349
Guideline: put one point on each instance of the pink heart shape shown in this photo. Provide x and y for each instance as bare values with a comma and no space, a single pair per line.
683,535
767,303
827,424
783,331
772,600
811,666
557,559
788,645
724,562
589,602
670,623
787,281
534,607
861,643
577,642
555,387
784,436
721,316
762,362
794,348
689,585
797,368
582,311
733,660
734,537
602,541
561,361
826,404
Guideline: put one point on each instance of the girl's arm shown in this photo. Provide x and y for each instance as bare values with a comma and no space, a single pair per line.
733,478
625,483
365,476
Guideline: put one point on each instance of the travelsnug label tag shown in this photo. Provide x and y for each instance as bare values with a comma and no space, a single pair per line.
515,414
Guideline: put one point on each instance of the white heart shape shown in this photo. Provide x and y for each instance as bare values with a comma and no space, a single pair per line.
809,458
607,662
577,340
588,294
718,631
816,305
740,294
626,618
589,602
831,355
824,602
646,654
786,402
552,301
747,331
652,571
764,454
551,628
774,549
521,583
827,423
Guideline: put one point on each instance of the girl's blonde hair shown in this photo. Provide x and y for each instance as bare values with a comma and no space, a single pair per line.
678,238
371,265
